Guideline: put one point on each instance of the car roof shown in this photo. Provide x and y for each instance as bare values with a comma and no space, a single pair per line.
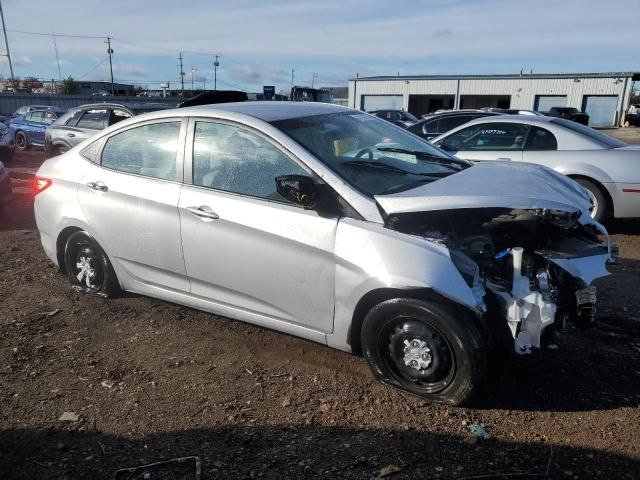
130,106
268,111
533,119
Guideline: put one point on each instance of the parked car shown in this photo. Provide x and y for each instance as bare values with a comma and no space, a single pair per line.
84,121
397,117
30,108
438,123
608,168
28,129
330,224
7,144
570,113
5,187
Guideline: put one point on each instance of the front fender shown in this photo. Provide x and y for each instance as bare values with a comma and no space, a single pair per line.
371,257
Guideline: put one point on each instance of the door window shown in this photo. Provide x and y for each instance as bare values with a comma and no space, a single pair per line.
235,160
95,118
35,116
148,150
449,123
488,136
541,139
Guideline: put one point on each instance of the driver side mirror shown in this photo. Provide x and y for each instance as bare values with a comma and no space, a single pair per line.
298,189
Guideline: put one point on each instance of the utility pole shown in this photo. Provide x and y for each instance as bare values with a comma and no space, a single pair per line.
6,43
313,78
110,52
216,64
193,70
181,72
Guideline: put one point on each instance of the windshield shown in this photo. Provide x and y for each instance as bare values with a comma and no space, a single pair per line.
602,138
371,154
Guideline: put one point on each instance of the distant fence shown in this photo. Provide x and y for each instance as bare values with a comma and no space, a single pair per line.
10,102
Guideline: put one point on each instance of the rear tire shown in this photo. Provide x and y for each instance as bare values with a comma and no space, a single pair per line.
88,268
22,143
425,349
601,205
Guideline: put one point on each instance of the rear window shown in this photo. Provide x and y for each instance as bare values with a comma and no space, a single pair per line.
595,135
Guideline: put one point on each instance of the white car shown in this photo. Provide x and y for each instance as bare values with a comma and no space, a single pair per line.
608,168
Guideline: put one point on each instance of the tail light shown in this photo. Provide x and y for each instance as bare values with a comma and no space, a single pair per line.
40,184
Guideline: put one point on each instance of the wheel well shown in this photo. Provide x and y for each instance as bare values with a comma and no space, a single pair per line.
604,191
60,243
371,299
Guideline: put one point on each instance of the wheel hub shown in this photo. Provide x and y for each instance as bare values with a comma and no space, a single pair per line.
417,354
85,271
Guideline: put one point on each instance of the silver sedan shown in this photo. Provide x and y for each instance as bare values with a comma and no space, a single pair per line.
608,168
329,224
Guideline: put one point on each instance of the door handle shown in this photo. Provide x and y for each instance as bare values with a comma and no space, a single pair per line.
101,187
203,212
71,135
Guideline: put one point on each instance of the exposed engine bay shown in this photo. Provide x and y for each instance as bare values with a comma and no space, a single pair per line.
531,268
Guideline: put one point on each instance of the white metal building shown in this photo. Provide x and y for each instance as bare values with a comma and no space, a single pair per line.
604,96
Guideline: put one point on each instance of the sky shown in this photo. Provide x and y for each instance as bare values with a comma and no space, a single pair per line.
325,41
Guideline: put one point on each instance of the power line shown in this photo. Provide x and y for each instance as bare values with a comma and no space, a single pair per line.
57,34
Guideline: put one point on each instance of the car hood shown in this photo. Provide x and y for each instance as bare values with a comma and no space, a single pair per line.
492,185
632,148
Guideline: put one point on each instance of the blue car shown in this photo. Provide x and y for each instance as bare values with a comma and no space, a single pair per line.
28,129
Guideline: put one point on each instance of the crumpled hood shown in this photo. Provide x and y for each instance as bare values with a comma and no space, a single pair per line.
492,185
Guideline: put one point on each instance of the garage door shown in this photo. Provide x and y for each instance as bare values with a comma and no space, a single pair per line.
543,103
601,109
381,102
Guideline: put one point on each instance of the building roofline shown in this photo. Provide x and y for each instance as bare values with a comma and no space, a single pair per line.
524,76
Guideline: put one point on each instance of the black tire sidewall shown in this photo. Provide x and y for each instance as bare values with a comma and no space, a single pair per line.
466,342
109,286
26,141
603,204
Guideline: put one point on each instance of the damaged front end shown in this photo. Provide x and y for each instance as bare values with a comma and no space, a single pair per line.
531,269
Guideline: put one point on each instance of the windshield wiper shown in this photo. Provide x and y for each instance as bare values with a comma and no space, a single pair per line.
447,162
380,165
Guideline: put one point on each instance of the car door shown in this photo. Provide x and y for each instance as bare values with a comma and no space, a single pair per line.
245,246
130,199
501,141
36,127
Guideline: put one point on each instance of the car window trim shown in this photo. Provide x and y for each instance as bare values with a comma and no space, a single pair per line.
188,157
179,151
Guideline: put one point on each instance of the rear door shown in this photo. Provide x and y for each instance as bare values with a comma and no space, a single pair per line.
130,199
488,141
245,246
36,127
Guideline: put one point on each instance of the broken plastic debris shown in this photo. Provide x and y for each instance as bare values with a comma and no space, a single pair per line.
477,430
69,417
186,468
389,470
107,383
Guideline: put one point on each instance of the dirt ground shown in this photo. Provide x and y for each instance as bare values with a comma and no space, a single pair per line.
145,381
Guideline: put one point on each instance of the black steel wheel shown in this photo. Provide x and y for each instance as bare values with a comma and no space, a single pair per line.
87,266
21,141
426,349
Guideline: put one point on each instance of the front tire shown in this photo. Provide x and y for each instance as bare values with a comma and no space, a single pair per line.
425,349
22,143
88,268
